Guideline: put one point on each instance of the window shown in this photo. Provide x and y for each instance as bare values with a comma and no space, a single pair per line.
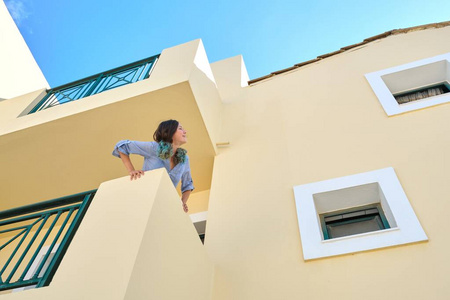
355,213
412,86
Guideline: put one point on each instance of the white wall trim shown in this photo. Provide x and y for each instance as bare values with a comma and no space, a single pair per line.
198,217
405,228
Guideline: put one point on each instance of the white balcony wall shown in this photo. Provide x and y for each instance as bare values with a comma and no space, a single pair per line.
19,72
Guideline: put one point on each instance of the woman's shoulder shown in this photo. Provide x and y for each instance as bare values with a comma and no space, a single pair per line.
153,145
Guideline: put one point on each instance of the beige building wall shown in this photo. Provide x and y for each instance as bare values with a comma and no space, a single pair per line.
198,202
19,72
319,122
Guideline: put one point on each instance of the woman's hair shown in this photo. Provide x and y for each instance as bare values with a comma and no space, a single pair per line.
165,131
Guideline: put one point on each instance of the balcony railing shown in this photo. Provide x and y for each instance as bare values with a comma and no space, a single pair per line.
98,83
34,239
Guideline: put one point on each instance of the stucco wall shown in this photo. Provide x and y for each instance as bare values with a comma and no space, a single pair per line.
320,122
198,202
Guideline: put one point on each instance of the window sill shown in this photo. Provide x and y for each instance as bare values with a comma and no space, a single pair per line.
357,236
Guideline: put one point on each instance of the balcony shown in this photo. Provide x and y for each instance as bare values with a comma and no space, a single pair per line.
98,83
67,148
34,239
134,242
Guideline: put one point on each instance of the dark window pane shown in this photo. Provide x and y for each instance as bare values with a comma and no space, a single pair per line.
423,93
357,226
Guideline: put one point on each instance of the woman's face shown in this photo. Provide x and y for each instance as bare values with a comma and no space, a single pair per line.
179,137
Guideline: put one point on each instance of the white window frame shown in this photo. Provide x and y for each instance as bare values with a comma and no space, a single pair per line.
405,227
410,76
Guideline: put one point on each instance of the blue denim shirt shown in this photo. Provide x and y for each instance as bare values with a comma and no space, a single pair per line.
149,150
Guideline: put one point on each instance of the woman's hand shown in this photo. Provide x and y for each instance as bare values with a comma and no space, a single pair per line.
183,203
185,207
135,174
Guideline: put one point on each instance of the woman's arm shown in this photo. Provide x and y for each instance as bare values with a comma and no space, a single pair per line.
184,199
134,174
187,185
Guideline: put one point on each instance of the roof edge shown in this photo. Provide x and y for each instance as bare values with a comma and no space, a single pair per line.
346,48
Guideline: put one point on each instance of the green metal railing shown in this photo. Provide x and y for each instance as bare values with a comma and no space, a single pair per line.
98,83
34,239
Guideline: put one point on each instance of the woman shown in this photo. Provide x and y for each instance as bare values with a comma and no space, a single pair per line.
165,152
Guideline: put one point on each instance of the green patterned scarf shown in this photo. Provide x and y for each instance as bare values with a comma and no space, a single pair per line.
165,151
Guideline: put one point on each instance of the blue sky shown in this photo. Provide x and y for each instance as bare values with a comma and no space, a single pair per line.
74,39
